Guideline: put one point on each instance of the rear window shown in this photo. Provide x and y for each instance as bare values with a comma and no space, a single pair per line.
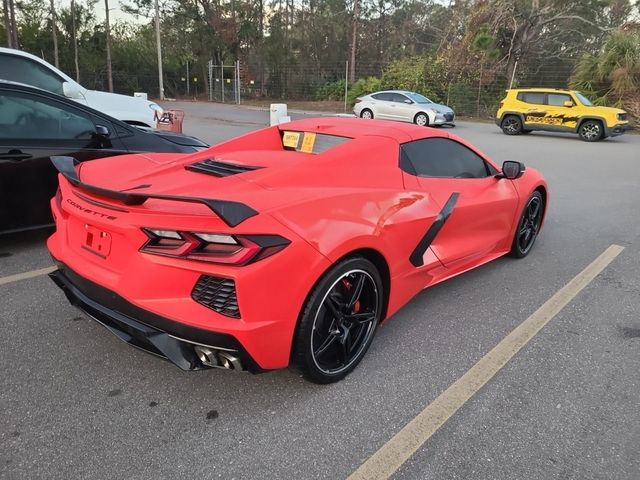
532,97
310,142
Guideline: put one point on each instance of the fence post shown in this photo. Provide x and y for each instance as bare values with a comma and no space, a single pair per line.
346,84
238,82
222,80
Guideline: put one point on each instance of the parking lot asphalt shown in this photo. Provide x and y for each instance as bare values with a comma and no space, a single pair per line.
75,402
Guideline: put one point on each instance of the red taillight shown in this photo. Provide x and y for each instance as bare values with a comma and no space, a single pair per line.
212,247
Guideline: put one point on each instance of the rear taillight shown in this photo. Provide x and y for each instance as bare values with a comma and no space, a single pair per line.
358,100
212,247
501,105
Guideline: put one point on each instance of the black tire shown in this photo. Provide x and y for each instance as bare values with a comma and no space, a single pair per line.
421,119
338,321
591,131
366,113
511,125
528,226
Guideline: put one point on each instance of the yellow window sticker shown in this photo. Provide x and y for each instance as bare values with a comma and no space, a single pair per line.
290,139
307,142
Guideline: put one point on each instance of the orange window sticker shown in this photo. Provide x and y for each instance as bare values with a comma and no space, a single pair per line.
307,142
290,139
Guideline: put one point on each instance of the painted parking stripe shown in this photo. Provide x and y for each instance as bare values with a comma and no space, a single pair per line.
383,463
26,275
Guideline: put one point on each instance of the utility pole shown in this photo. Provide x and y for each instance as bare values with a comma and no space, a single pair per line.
75,39
14,28
7,24
108,31
160,82
55,35
354,40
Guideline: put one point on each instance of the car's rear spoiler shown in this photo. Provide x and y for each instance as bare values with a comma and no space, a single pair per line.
232,213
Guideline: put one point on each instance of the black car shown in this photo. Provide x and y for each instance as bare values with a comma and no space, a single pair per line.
36,124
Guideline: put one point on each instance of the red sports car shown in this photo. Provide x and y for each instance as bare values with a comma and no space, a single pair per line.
285,246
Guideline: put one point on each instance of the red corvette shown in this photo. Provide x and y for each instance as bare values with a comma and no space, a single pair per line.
288,245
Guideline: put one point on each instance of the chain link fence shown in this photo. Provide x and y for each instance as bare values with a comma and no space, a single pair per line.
326,87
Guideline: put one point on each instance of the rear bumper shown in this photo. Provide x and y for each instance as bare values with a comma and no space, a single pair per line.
143,329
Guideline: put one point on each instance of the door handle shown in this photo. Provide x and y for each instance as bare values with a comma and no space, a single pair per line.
15,155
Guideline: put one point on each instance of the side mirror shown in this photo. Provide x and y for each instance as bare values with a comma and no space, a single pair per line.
407,101
568,103
102,131
511,170
101,136
71,91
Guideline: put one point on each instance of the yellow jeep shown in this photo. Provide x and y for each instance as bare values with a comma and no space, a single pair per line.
526,109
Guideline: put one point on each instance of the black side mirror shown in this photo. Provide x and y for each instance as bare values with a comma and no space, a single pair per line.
407,101
101,136
102,131
511,170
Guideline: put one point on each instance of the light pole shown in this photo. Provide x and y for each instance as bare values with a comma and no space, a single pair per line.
160,84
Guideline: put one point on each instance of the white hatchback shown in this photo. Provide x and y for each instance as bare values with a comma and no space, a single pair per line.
22,67
403,106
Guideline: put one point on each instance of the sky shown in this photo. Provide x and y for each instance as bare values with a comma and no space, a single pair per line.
114,8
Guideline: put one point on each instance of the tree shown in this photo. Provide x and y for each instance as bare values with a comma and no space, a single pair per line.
108,32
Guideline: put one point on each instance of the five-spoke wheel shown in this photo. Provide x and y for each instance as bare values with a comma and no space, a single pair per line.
528,226
339,321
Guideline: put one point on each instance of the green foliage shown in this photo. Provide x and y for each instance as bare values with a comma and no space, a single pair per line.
424,74
362,87
612,76
331,91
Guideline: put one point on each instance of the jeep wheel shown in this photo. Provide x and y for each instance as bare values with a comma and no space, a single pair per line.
591,131
511,125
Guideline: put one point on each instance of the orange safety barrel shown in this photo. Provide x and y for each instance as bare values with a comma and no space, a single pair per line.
170,120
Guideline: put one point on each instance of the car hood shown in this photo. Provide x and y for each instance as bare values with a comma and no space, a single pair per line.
439,108
177,138
122,107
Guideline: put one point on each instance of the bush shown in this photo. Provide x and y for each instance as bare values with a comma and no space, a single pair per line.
331,91
362,87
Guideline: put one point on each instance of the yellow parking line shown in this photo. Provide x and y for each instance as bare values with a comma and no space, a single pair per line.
26,275
383,463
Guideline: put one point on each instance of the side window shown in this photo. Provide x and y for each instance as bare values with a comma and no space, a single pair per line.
398,97
387,97
31,118
24,70
558,99
441,157
532,97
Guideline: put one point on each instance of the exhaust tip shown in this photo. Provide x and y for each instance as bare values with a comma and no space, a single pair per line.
217,358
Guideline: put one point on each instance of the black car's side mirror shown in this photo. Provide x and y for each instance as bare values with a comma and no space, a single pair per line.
101,136
511,170
102,131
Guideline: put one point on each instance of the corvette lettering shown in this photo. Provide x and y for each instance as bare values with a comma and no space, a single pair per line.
88,211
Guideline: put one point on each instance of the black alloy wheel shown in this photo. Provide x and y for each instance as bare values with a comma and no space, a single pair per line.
511,125
528,226
339,321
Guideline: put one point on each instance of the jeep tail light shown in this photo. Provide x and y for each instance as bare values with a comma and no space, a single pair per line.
501,105
212,247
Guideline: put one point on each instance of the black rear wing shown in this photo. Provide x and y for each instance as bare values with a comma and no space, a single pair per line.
232,213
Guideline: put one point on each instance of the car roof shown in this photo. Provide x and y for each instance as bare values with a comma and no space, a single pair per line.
20,53
541,89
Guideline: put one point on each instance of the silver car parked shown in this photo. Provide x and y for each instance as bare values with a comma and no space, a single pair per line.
403,106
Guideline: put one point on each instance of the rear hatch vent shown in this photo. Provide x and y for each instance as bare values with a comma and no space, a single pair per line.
219,169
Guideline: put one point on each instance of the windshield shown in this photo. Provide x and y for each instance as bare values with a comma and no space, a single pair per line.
416,97
584,100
